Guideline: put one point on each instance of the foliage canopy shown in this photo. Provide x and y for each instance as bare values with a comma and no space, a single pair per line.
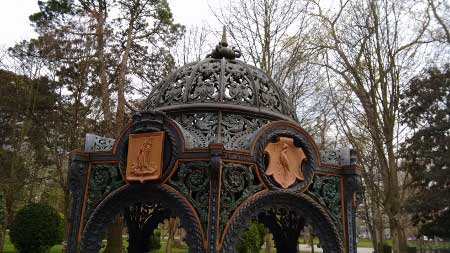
426,110
253,238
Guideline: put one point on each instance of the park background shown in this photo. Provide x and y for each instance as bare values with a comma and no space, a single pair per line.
371,75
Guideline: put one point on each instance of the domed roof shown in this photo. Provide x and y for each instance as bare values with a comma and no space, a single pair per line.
220,82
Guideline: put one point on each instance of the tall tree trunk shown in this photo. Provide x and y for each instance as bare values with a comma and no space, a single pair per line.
268,243
114,243
114,237
399,242
2,221
395,201
9,202
67,216
2,238
310,237
379,229
104,86
370,222
120,114
115,230
172,229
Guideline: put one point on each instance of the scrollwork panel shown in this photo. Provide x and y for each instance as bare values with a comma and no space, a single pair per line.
327,191
239,181
104,179
192,180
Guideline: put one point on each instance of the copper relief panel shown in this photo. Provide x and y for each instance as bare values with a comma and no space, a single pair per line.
285,161
144,161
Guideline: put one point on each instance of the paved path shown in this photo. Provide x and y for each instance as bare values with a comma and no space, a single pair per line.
307,248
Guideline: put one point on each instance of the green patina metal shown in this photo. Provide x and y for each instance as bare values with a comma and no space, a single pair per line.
238,183
218,115
327,190
104,179
192,180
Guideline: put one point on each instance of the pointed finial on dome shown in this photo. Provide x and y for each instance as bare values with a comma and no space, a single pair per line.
224,42
223,51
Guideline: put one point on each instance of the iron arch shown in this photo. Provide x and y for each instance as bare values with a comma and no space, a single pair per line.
131,194
297,202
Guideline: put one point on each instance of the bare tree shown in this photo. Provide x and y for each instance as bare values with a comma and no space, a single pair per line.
276,35
271,34
171,230
438,10
196,43
365,48
353,123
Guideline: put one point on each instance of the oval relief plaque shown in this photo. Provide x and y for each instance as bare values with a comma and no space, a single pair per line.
285,162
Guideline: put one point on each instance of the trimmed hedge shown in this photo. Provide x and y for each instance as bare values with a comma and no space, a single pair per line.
36,228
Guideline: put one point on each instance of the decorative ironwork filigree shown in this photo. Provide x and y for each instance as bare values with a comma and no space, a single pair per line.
142,219
223,81
95,143
215,106
330,156
104,179
268,94
285,226
299,203
237,130
205,85
132,194
238,87
192,180
139,214
170,91
201,126
343,156
238,183
327,190
78,168
353,198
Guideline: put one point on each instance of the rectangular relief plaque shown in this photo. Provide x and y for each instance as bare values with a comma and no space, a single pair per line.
145,156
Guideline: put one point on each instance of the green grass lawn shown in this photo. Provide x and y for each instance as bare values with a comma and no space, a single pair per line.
365,243
9,248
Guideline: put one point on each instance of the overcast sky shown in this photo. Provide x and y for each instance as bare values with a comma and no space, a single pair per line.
15,26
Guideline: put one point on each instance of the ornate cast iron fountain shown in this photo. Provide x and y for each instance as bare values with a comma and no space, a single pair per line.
217,145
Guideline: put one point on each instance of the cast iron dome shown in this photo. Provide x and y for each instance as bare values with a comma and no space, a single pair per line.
278,179
220,89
